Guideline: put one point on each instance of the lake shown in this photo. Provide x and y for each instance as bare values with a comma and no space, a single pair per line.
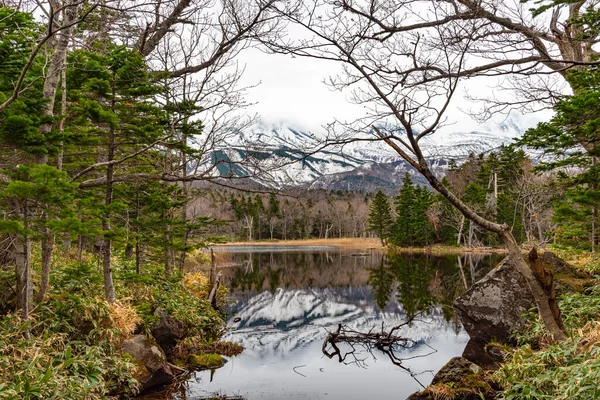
285,300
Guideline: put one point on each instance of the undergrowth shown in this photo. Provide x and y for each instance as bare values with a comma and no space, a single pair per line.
73,351
541,370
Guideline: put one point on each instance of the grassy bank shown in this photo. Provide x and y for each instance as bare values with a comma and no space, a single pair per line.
367,244
540,369
73,351
347,243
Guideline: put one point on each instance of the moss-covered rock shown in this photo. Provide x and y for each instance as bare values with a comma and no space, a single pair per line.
459,379
205,361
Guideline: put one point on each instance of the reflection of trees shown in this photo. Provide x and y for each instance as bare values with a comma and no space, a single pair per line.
422,281
292,270
413,275
381,280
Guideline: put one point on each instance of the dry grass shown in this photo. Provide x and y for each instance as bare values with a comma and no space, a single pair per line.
441,249
197,258
583,260
124,318
348,243
197,283
195,345
442,392
590,336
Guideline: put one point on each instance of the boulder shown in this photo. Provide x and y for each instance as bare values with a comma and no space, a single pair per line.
493,307
459,379
153,369
477,352
455,370
168,331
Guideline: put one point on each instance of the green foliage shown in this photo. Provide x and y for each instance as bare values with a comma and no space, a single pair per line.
572,138
565,370
380,216
52,366
412,227
73,351
152,289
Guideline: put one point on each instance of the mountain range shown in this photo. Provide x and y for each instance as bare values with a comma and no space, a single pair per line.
288,157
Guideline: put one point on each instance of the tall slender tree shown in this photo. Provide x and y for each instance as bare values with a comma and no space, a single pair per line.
380,217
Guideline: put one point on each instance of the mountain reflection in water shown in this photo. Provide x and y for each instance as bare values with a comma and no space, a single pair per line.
287,302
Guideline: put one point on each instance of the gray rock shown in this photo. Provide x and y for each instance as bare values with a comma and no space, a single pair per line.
493,307
455,370
167,331
466,382
154,368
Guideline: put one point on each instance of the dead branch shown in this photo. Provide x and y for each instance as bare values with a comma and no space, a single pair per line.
386,342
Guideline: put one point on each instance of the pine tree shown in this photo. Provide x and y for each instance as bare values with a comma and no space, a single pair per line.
572,137
404,202
380,216
422,231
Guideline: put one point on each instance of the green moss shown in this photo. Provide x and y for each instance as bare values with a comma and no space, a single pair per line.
205,361
472,386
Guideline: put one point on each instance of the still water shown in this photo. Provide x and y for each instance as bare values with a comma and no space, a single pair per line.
286,300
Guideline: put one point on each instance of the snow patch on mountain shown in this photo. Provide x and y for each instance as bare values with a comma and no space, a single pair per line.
287,156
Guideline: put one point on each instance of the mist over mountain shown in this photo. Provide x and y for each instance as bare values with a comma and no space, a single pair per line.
290,157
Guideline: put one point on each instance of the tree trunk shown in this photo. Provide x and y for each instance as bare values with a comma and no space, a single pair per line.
79,248
138,256
460,230
109,288
56,66
540,297
48,239
56,71
23,268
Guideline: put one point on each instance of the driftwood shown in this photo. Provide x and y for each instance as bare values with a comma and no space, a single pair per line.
385,342
212,297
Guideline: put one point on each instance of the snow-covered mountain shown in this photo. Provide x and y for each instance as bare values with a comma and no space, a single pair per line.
288,157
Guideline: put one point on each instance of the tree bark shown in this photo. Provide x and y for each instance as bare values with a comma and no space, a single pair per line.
109,288
540,297
48,239
56,71
23,269
57,65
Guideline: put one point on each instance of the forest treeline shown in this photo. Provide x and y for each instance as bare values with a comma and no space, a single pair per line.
540,206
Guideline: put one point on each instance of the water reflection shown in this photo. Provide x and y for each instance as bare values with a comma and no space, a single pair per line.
287,302
421,282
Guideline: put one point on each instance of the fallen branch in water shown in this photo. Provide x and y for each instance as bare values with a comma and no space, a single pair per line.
386,342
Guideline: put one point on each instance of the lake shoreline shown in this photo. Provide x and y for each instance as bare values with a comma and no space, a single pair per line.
365,244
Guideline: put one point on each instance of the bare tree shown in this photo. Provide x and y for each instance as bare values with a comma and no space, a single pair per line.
404,61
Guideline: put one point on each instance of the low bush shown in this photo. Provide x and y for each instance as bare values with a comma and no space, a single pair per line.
557,371
73,349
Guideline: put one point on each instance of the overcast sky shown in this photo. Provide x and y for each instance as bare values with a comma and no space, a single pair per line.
291,91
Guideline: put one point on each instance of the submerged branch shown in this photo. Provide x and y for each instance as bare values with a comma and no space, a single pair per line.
385,342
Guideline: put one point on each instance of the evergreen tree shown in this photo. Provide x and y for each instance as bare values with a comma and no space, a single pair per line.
382,281
404,202
572,138
412,227
380,216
